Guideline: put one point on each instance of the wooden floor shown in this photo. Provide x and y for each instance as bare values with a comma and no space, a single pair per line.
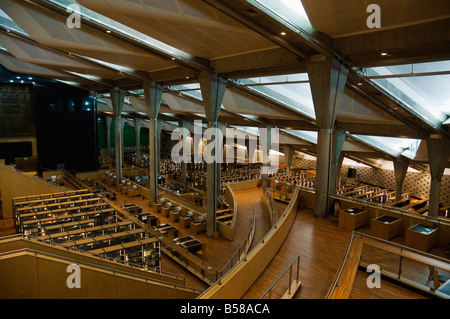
320,243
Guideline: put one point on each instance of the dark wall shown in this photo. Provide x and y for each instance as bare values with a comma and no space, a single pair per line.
66,128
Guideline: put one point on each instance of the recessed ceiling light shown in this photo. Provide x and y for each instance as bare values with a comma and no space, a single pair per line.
283,33
108,31
360,83
173,59
384,54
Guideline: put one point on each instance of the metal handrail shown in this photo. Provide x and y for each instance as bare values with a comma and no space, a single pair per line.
269,290
238,251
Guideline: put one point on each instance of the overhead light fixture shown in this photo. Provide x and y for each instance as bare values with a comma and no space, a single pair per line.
283,33
173,59
384,54
360,83
108,31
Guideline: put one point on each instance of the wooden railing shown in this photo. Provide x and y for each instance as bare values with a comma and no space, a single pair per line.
344,279
243,249
240,278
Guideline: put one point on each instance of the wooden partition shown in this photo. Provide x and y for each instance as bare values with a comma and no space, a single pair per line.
43,275
240,278
245,185
14,184
17,242
228,231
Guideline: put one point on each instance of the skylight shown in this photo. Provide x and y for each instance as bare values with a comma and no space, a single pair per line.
290,13
9,23
121,28
293,91
392,145
421,87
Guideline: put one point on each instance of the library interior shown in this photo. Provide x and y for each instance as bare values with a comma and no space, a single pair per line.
224,149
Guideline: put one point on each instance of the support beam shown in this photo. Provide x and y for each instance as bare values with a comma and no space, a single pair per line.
213,89
186,125
288,157
400,169
327,79
137,130
108,135
337,144
265,138
438,154
117,99
153,97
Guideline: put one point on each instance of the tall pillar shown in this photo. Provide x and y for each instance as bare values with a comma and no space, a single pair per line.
185,125
265,137
288,157
137,130
222,127
213,89
337,144
327,78
400,170
108,135
438,154
153,97
117,98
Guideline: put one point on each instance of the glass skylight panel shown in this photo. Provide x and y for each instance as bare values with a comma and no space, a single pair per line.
114,25
9,23
291,12
293,95
309,136
392,145
423,87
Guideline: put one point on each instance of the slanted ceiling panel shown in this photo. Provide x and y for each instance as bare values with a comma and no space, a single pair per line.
189,25
354,108
51,30
239,103
33,53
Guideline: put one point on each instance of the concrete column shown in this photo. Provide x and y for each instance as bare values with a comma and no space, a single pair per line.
213,89
327,78
186,125
400,170
337,144
153,97
158,159
288,157
222,127
117,98
108,135
137,130
438,156
265,138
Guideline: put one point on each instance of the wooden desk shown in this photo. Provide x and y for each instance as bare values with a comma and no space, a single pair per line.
165,210
421,237
353,218
174,216
133,192
190,243
186,221
157,207
198,227
224,218
385,227
167,230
